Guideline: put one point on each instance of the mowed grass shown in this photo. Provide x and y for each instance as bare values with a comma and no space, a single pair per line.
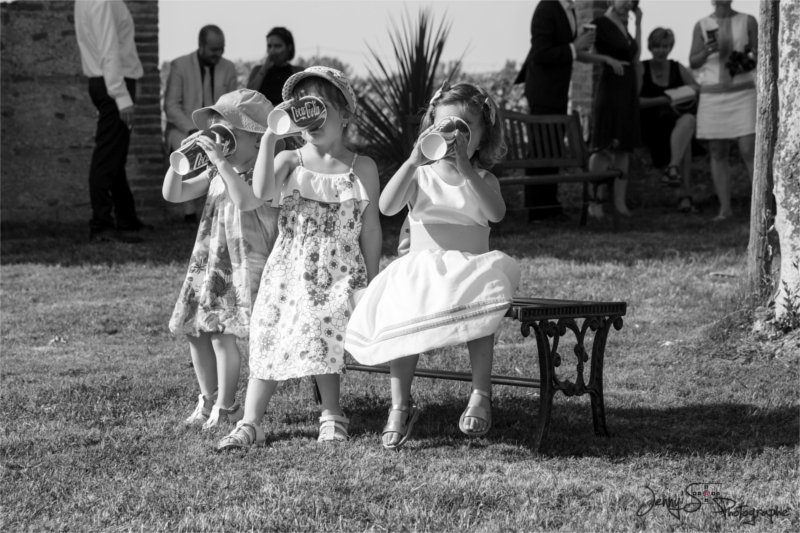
94,386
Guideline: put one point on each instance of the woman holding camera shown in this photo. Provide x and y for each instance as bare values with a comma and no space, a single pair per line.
723,51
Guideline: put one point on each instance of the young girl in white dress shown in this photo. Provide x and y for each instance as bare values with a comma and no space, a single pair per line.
328,246
229,254
449,288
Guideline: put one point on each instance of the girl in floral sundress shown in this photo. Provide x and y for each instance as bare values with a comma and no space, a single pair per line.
328,246
232,246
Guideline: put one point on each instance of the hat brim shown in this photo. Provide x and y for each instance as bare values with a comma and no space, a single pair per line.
202,118
326,74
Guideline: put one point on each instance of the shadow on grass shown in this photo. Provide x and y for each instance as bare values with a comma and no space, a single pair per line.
67,244
650,234
715,429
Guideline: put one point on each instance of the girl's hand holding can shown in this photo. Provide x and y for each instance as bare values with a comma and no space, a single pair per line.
212,149
417,157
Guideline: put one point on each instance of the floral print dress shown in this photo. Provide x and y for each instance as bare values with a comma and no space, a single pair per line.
306,293
229,254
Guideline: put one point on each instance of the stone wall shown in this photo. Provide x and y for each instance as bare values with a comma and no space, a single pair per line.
48,119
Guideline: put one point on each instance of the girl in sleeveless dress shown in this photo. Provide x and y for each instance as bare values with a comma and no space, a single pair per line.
229,254
449,288
328,246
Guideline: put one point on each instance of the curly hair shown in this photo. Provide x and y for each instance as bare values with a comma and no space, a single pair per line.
474,99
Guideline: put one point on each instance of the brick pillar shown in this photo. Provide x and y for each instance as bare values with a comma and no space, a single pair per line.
49,120
146,158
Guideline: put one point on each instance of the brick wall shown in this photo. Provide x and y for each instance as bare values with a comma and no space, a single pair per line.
48,119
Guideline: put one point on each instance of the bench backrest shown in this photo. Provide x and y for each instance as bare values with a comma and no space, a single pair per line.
542,141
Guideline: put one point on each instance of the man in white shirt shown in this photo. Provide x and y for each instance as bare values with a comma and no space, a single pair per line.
196,80
105,34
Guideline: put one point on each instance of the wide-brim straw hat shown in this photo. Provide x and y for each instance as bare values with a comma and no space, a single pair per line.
245,109
336,77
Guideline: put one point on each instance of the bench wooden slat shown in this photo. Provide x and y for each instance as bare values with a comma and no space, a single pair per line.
451,375
550,141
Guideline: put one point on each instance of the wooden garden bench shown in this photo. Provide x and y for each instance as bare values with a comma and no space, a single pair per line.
551,141
550,320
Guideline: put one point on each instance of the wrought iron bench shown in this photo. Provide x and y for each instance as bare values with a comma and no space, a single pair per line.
550,320
552,141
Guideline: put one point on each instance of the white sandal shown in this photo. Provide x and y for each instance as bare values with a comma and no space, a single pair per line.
476,411
333,428
244,435
401,428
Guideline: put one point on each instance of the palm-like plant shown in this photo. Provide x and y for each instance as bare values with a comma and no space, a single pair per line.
393,101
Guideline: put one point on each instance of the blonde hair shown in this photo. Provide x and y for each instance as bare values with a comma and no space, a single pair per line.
476,100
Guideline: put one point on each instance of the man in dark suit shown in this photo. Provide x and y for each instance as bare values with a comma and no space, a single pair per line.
556,42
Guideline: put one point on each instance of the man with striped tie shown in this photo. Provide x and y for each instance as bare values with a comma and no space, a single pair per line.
196,80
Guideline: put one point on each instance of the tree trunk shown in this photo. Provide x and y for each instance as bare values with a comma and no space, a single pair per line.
760,252
786,165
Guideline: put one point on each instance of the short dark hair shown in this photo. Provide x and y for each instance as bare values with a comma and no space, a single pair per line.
661,36
205,30
284,35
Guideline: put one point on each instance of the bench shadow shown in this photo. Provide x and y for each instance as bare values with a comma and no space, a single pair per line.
710,429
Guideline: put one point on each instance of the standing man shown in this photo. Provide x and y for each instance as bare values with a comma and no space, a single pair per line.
556,42
196,80
104,30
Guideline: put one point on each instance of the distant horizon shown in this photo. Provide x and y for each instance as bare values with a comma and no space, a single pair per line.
505,35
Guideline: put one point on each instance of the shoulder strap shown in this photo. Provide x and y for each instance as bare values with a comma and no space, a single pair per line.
300,156
353,163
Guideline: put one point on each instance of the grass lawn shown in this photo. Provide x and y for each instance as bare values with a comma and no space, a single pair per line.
93,387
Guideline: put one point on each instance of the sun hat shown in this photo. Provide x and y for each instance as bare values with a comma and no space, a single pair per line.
245,109
336,77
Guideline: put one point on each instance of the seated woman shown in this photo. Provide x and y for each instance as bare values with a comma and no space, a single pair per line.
667,128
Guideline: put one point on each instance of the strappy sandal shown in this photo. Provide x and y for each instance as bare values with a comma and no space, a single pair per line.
222,415
201,412
403,429
333,428
671,177
476,411
244,435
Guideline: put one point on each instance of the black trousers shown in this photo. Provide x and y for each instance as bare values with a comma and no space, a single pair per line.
110,195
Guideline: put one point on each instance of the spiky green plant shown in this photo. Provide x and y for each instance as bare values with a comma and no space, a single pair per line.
394,98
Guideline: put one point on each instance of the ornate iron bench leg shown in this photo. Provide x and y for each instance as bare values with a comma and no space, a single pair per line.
546,385
596,378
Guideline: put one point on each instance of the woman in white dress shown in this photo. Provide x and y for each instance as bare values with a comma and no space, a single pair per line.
724,47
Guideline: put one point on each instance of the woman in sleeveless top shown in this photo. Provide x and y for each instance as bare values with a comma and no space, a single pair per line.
727,108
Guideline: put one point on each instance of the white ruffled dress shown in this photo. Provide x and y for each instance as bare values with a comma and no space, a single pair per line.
306,292
448,290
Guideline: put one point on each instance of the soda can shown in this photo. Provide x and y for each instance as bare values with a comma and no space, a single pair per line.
437,143
293,116
191,156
